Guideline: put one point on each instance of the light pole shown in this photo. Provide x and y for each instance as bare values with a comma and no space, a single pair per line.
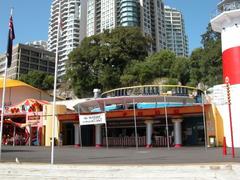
230,113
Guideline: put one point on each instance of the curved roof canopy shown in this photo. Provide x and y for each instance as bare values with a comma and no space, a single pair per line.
14,83
87,106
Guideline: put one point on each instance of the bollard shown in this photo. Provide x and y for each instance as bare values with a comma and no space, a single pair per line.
224,147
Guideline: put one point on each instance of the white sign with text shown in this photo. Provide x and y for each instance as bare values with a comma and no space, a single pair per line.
92,119
220,94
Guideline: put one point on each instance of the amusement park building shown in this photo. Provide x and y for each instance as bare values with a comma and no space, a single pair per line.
150,115
23,105
143,116
158,116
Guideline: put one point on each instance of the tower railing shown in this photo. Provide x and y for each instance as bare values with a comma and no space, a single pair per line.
233,5
226,5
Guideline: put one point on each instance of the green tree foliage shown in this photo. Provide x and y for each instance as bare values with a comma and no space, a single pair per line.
137,73
119,58
204,65
195,71
101,59
180,70
38,79
206,62
161,65
155,66
210,37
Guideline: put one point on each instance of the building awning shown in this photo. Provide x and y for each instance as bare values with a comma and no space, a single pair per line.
29,105
10,83
13,83
87,106
154,113
72,104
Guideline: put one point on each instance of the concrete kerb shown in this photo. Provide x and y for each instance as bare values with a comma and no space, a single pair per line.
170,171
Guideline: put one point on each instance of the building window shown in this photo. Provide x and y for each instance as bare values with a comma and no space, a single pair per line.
24,58
24,64
51,70
43,62
23,71
34,66
43,68
34,60
36,54
25,51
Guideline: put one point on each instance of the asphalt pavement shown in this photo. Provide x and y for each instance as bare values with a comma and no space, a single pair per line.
117,156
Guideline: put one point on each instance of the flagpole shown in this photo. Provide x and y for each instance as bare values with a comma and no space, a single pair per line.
3,102
135,124
166,119
3,97
55,87
204,122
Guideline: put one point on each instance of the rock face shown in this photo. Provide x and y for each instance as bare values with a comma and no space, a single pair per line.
66,94
64,91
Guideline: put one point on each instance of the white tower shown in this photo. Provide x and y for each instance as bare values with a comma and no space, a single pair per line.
227,22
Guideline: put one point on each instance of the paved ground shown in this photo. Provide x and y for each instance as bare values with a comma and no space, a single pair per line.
117,156
127,172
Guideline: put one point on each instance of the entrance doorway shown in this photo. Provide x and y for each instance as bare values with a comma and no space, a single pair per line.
193,131
87,134
68,133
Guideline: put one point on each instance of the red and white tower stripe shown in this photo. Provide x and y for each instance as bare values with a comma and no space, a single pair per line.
228,23
231,51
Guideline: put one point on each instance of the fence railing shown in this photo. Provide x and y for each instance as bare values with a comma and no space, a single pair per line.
226,6
175,90
229,6
159,141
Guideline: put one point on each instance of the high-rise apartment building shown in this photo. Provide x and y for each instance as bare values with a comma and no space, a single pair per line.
152,22
175,32
145,14
73,29
81,18
128,13
164,25
101,14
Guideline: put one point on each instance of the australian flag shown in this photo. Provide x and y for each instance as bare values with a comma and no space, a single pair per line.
11,37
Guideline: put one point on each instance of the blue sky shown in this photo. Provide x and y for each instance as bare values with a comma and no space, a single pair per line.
197,15
31,19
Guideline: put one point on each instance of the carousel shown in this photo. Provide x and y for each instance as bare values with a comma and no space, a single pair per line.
23,123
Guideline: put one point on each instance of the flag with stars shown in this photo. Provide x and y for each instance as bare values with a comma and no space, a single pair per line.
11,37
